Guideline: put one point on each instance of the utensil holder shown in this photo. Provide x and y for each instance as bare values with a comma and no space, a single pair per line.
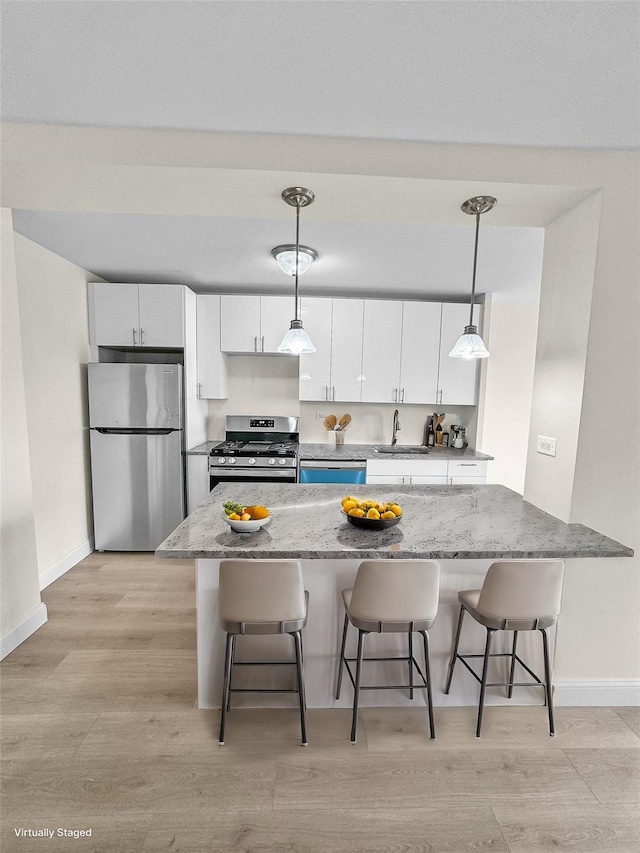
339,438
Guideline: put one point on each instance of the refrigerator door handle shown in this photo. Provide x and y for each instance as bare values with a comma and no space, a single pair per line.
132,431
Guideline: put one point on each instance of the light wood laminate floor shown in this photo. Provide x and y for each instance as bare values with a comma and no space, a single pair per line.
100,731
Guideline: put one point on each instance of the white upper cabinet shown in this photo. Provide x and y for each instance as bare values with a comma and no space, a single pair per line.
136,315
315,367
211,361
276,314
254,323
346,350
381,351
457,377
420,352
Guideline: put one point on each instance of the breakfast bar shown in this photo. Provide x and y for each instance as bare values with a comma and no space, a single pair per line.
464,527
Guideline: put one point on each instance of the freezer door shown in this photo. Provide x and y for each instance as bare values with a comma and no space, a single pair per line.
138,489
135,395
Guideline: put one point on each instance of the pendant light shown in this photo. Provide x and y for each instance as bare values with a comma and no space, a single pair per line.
296,341
469,344
286,258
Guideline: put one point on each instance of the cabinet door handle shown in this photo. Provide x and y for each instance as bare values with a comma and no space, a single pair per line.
440,396
333,393
468,464
141,337
134,337
199,387
402,396
255,344
263,343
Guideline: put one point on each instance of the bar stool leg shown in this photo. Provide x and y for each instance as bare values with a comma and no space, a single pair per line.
427,673
301,696
410,665
233,657
225,686
513,664
342,650
356,695
454,653
548,685
483,684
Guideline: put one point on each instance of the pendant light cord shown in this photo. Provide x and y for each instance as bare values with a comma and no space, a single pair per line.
475,261
297,253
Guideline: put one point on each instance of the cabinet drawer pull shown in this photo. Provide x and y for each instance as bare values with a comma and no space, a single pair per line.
134,336
468,464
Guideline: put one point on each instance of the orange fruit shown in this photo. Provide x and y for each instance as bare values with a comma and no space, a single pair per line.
257,512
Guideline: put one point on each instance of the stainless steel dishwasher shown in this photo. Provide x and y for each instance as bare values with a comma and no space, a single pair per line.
333,471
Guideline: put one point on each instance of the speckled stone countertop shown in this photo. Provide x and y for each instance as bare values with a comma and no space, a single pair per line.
439,522
358,452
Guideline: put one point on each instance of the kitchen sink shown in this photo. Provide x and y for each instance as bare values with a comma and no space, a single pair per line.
399,449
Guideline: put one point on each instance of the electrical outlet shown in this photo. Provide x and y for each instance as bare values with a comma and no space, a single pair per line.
320,417
546,445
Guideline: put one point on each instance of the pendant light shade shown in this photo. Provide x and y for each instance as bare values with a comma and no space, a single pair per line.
470,344
296,340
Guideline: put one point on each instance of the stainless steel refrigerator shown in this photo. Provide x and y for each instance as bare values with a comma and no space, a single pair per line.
137,468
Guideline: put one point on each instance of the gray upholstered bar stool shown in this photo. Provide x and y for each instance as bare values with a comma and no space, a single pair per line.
517,595
390,596
262,597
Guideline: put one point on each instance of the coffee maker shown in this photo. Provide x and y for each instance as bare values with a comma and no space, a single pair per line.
458,432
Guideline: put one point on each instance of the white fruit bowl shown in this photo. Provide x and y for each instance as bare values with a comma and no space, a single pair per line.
246,526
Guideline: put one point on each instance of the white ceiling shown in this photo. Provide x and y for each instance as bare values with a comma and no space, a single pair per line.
561,74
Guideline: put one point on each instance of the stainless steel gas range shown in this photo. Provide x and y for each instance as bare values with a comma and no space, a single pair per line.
256,449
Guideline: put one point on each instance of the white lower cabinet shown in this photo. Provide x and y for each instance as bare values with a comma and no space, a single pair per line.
197,481
435,472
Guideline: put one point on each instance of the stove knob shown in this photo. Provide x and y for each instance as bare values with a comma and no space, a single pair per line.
221,460
272,462
251,461
232,460
282,461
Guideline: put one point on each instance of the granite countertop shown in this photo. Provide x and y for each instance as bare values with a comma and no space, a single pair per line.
439,522
359,452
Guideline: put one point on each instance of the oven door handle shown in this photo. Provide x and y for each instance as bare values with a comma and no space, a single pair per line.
252,474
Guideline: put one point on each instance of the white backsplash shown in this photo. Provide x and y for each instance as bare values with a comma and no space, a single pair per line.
268,385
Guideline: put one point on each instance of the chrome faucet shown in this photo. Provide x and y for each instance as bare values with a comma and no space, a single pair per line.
396,427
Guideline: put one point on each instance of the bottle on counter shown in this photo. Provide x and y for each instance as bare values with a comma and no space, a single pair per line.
431,436
445,438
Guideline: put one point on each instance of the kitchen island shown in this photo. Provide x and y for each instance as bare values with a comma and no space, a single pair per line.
464,527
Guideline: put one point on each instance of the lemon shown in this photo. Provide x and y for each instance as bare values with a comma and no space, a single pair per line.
347,505
395,509
388,514
373,513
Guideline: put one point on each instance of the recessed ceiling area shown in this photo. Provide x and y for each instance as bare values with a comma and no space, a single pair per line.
216,255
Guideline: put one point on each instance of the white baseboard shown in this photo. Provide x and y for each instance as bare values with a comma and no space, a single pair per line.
66,562
36,619
612,693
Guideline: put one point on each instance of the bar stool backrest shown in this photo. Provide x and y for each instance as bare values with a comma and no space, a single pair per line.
261,591
522,589
396,590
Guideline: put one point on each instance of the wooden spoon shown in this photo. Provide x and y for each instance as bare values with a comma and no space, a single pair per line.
326,423
332,420
345,420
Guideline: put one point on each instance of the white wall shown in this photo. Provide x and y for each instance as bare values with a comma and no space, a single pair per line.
563,332
55,351
505,408
21,610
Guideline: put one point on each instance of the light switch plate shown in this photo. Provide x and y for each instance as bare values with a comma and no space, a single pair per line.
546,445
